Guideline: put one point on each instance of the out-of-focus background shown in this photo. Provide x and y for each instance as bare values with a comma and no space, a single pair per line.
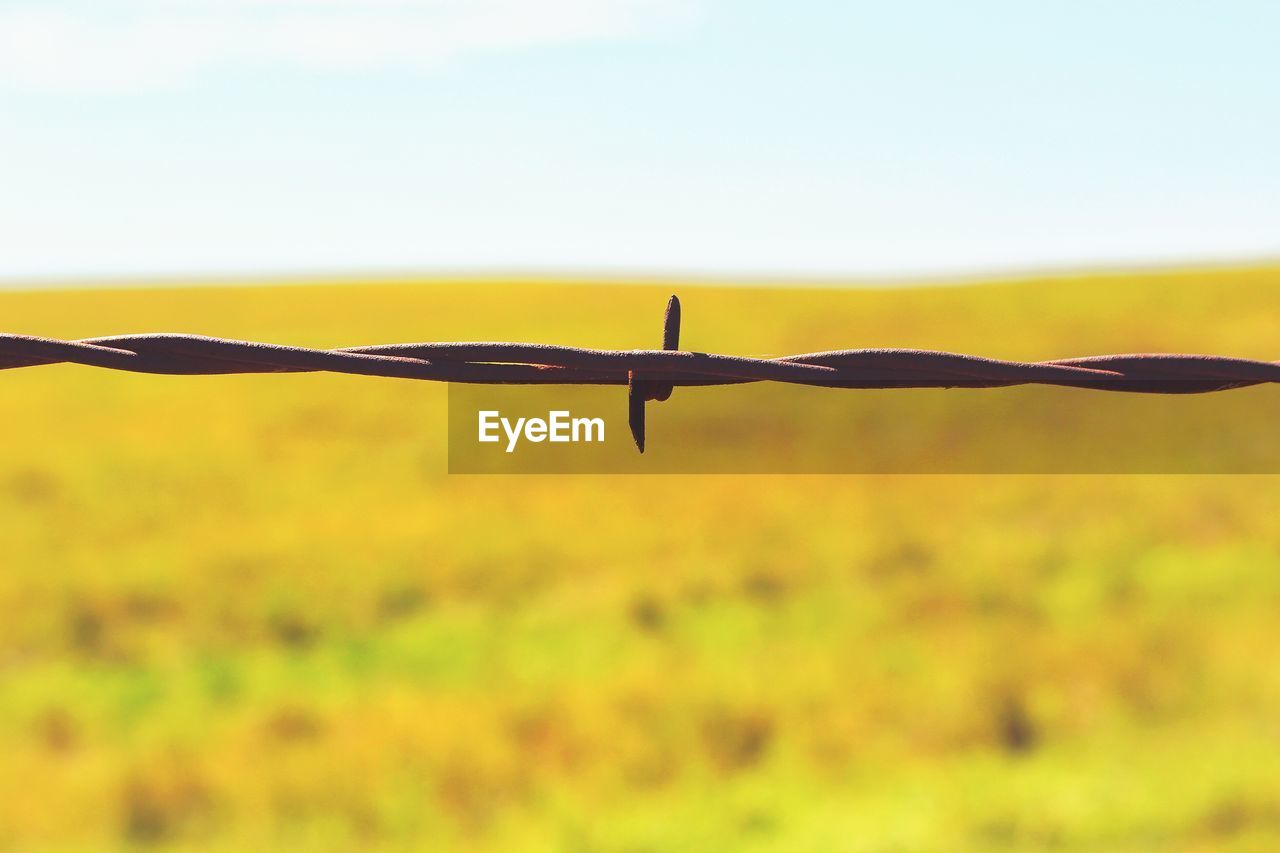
254,612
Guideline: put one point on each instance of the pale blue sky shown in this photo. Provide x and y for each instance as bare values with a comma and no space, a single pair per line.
809,137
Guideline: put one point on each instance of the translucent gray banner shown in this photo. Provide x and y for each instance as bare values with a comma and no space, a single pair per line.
770,428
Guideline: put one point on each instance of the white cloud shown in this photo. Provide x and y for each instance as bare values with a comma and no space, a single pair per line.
126,45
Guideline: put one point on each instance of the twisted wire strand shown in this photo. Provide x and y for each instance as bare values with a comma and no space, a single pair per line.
650,374
543,364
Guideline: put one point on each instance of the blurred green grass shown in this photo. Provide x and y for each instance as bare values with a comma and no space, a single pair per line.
253,612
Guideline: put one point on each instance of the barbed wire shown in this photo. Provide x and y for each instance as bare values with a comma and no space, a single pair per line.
651,375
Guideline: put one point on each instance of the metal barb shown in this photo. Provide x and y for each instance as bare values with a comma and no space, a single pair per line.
640,391
635,409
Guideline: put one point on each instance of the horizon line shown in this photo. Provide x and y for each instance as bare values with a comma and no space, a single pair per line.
635,277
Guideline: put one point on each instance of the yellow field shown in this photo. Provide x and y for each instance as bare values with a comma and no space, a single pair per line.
253,612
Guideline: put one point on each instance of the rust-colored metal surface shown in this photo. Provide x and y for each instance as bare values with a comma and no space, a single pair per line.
649,374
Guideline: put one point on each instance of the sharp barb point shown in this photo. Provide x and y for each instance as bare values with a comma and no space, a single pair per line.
635,410
671,324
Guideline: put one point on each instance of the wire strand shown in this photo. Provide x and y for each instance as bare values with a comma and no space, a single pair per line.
649,374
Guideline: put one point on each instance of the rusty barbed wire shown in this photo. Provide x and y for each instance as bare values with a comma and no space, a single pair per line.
650,375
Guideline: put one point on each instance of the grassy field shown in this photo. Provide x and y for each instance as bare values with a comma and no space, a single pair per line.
254,612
